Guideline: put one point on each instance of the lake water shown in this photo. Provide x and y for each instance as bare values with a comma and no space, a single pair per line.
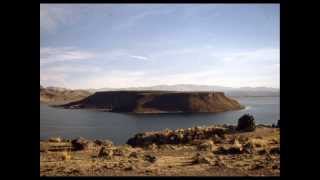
119,127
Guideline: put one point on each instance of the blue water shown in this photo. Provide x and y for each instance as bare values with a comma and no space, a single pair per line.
119,127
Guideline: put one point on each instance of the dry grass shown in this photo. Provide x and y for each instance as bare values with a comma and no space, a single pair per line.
259,143
55,139
171,160
65,156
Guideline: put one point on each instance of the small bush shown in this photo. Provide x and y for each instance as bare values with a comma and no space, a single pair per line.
246,123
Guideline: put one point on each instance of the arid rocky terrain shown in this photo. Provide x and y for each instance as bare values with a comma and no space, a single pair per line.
199,151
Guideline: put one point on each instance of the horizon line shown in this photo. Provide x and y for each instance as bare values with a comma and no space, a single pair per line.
159,85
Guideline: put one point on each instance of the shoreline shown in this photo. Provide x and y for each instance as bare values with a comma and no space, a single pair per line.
243,107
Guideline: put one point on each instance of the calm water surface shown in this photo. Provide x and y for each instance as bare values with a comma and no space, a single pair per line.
118,127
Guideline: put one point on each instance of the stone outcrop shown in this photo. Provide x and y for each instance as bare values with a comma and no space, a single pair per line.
105,153
179,136
80,144
106,143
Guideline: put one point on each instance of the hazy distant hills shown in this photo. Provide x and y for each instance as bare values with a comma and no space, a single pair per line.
48,94
57,95
229,91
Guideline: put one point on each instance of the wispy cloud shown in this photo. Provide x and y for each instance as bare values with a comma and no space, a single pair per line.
134,19
51,55
260,55
113,78
139,57
48,78
212,67
51,16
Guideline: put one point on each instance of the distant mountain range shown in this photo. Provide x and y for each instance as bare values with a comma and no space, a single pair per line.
229,91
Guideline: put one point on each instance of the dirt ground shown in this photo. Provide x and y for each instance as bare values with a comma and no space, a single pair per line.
254,154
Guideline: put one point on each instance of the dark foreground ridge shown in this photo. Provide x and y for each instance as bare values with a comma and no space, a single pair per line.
157,102
218,150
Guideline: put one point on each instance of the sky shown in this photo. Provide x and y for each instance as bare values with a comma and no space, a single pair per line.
86,46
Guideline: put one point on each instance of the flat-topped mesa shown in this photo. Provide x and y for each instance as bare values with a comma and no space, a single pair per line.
157,102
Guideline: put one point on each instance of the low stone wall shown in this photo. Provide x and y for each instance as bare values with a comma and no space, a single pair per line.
179,136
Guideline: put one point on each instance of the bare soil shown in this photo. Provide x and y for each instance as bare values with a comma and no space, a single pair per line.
58,159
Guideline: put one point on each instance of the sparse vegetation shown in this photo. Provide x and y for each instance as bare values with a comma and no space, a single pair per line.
65,156
245,153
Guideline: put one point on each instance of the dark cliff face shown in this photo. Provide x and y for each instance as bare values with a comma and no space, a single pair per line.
169,102
117,101
157,102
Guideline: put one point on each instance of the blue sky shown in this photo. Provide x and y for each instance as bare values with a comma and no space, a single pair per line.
130,45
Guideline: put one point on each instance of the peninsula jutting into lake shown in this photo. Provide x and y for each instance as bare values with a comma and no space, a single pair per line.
157,102
159,90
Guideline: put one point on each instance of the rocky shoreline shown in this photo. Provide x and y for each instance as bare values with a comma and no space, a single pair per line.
219,150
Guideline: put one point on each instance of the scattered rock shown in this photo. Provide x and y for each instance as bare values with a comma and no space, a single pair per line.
150,158
231,128
152,147
246,123
217,139
179,136
55,139
129,168
119,152
220,163
243,139
105,153
133,155
274,150
44,148
274,141
80,144
207,146
257,166
65,140
106,143
196,142
248,147
74,171
262,151
237,145
201,159
236,148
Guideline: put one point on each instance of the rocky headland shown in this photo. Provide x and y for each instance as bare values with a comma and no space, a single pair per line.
157,102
